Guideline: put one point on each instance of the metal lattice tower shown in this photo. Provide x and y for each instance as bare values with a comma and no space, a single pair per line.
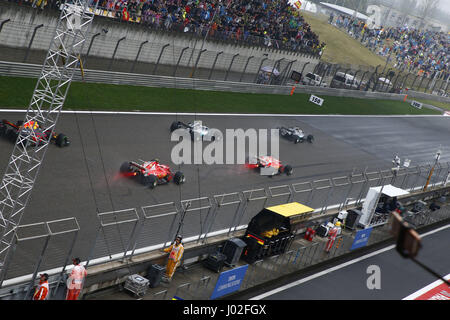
48,98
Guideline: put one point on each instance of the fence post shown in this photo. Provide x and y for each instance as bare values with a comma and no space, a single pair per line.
260,66
229,67
346,71
303,69
414,82
420,85
386,78
69,255
434,85
3,23
114,53
31,41
137,55
179,59
376,76
93,247
324,73
354,77
245,68
396,80
159,58
429,82
362,78
405,80
288,69
90,46
33,278
214,64
276,64
196,62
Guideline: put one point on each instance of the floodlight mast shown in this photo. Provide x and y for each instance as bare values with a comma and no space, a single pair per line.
45,106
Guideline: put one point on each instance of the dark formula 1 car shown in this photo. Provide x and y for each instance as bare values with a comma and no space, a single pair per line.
295,134
151,173
11,131
269,166
196,130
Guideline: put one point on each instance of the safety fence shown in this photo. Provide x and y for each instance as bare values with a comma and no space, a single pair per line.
300,255
382,79
157,54
165,56
122,234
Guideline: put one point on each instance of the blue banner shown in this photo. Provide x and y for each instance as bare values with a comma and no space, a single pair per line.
229,281
361,238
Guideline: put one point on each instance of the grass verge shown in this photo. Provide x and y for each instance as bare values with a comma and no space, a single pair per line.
17,92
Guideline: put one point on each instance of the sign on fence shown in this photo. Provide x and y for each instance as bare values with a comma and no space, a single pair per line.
361,238
316,100
229,281
416,104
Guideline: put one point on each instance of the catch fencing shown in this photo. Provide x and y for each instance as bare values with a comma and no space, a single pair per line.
187,55
122,234
300,255
163,55
155,226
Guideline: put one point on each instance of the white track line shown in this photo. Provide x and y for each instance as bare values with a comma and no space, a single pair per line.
343,265
230,114
426,289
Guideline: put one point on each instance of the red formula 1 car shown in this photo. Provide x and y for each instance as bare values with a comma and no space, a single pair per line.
11,131
151,173
269,166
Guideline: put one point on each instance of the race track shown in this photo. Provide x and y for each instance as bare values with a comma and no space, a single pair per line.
82,180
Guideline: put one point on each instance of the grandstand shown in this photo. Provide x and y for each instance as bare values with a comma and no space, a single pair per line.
234,40
265,23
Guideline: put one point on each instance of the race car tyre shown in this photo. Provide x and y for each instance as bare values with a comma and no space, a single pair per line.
288,170
62,140
179,178
150,181
175,125
310,138
297,140
125,167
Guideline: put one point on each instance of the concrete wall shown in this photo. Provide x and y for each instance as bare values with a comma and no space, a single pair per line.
18,32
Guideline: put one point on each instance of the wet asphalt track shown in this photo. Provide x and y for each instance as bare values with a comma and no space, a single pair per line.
83,179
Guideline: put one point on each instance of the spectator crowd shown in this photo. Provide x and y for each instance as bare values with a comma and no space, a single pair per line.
272,23
423,52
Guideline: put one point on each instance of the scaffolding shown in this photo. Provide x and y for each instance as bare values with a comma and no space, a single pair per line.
48,98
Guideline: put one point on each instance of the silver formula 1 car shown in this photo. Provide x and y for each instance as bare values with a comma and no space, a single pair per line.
295,134
196,129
